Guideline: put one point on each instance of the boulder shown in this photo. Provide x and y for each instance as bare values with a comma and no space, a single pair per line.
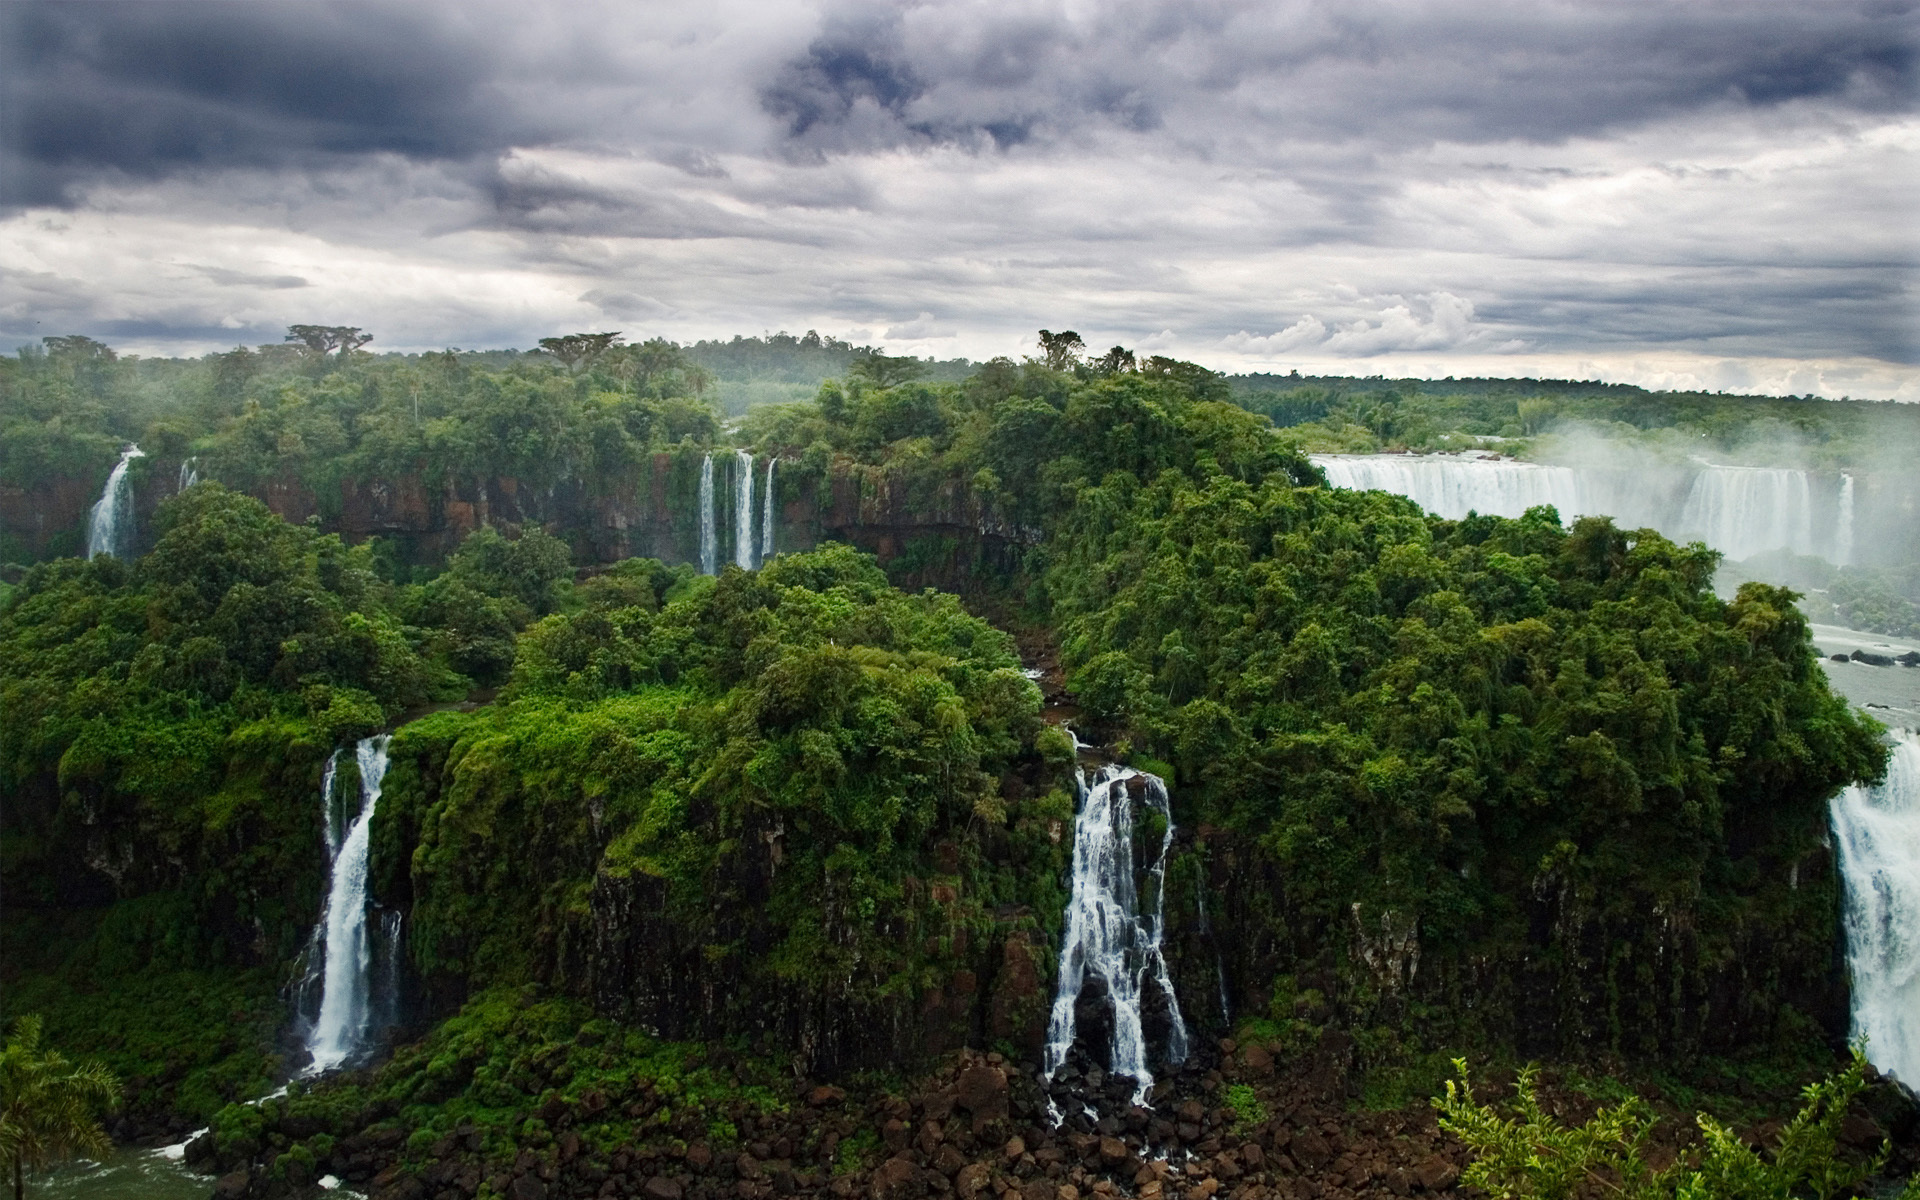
661,1188
971,1180
1436,1173
982,1091
899,1178
232,1186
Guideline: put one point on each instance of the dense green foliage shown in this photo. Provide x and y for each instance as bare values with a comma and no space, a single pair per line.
1531,1156
794,742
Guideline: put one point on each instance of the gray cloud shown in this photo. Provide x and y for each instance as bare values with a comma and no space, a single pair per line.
1348,181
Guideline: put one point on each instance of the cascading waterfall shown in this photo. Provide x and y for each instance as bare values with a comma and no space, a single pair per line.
709,537
1107,933
1744,511
1877,831
346,1004
766,516
1451,487
743,511
110,524
1739,511
189,474
1843,525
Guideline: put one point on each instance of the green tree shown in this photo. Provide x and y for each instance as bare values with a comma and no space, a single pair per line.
48,1105
1061,351
577,350
886,370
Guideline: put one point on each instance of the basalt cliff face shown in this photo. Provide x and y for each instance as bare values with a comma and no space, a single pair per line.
649,510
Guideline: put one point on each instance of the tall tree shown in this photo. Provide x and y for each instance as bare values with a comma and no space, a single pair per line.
580,350
47,1105
885,370
1061,351
321,340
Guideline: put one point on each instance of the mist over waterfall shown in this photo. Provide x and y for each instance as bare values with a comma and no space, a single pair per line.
1843,525
743,510
1877,832
347,1003
766,517
1739,511
709,535
1744,511
110,523
1109,935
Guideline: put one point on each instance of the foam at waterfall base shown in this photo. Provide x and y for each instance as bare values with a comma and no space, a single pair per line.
1877,833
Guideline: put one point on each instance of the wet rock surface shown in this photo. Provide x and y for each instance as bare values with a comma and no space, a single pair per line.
979,1128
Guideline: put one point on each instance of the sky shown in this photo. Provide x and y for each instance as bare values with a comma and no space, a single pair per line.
1694,194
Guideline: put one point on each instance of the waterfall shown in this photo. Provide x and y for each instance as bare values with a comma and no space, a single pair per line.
110,524
329,806
1877,831
1107,934
1843,525
346,1006
743,511
709,539
1451,487
766,516
189,474
1743,511
1739,511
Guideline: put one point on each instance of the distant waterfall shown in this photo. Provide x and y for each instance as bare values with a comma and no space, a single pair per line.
709,536
1451,486
1843,525
346,1002
189,474
1877,831
1739,511
1107,934
1743,511
766,517
743,511
110,524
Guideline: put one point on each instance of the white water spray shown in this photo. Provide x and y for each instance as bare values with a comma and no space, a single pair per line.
110,524
1843,525
189,474
1107,934
346,1005
743,511
1877,831
709,536
766,516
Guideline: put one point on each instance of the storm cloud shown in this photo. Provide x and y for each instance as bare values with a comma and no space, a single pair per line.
1666,192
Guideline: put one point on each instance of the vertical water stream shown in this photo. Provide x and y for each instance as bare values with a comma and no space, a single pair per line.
743,511
709,536
110,523
1843,525
1109,933
346,1003
1877,832
766,516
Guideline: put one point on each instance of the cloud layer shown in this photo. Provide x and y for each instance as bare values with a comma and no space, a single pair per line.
1643,190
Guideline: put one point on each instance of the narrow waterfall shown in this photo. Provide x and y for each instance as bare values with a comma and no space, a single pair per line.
709,536
346,1005
189,474
766,516
110,524
1451,486
1877,831
1108,932
1744,511
1843,525
743,511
